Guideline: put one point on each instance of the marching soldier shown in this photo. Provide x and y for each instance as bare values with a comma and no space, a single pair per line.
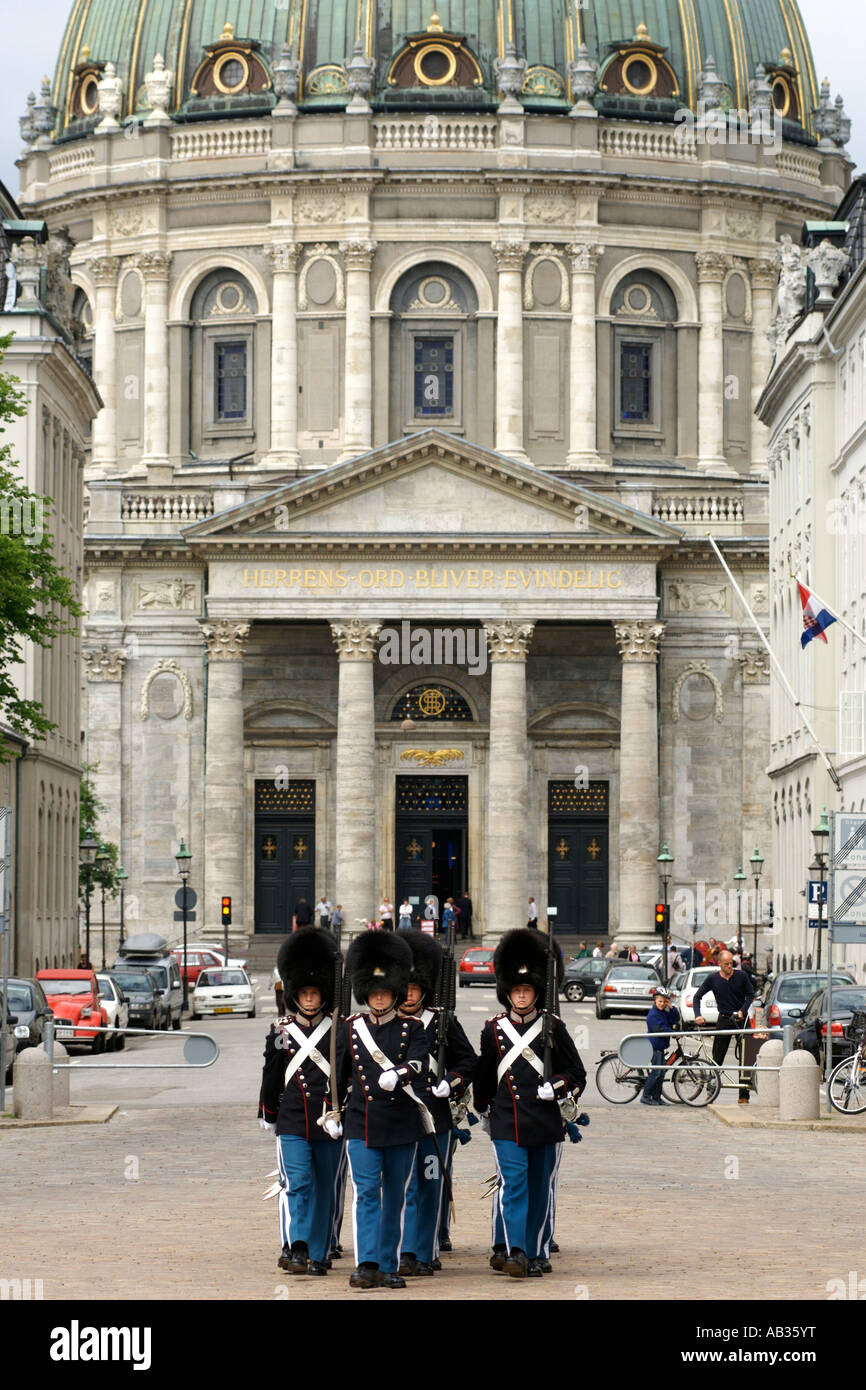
295,1095
424,1210
381,1060
520,1107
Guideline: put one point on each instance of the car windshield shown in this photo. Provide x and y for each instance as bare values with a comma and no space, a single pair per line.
66,986
160,974
479,955
222,977
799,989
634,972
19,997
847,999
133,984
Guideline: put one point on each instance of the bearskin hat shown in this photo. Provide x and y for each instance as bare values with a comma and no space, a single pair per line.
426,961
521,959
306,960
378,958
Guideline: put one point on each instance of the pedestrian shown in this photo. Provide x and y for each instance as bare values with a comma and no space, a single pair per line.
624,952
520,1107
733,993
532,916
662,1018
381,1058
303,914
431,911
448,918
296,1096
633,955
83,962
464,903
386,913
427,1185
583,951
673,958
404,919
613,952
323,911
337,921
598,950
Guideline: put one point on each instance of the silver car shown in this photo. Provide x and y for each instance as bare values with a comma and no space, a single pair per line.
626,989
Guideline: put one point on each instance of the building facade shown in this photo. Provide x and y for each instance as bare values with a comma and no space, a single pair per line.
416,328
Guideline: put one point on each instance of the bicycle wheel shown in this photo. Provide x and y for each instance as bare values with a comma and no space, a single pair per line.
616,1082
847,1086
669,1090
697,1083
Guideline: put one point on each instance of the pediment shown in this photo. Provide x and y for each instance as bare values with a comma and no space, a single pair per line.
432,484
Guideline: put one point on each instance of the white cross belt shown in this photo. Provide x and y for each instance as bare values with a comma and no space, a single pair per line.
307,1048
520,1047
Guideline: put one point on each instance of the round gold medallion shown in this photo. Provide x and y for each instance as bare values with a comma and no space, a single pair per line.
431,702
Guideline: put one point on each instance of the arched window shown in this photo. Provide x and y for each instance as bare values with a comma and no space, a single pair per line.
433,351
223,326
431,703
643,312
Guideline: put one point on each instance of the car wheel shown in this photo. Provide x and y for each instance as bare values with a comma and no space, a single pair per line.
601,1013
97,1047
121,1042
575,992
462,984
252,1012
176,1022
195,1015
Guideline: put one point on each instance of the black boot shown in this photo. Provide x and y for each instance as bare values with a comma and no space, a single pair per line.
516,1264
285,1259
366,1276
498,1258
300,1258
392,1281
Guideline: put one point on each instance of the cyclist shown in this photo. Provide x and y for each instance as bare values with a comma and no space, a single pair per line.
662,1018
733,993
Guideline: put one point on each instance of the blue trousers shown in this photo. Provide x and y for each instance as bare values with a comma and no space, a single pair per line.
652,1089
380,1178
308,1195
525,1196
339,1196
427,1197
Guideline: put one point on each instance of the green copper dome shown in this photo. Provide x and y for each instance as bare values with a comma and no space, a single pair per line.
678,35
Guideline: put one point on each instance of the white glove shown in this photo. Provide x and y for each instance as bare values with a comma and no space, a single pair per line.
442,1089
333,1128
388,1080
545,1091
485,1124
266,1124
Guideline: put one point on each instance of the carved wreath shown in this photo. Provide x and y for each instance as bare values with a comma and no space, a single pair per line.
173,669
698,668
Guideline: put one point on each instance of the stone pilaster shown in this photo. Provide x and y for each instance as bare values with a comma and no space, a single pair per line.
224,803
638,644
711,268
355,819
764,276
757,826
284,356
510,256
358,423
582,446
104,272
507,819
104,668
155,267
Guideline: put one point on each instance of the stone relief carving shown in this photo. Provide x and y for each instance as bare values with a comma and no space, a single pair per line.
104,597
169,667
166,594
126,221
555,208
759,598
547,252
755,668
742,224
321,252
319,208
697,668
698,598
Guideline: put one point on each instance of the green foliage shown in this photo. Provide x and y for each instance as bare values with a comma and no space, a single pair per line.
92,878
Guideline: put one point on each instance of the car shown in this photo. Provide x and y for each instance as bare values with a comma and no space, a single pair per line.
142,993
476,967
73,997
582,978
115,1004
811,1024
220,990
789,993
26,999
12,1041
198,958
218,948
685,986
626,988
155,954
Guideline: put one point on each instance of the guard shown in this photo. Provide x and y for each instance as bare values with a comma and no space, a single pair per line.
294,1097
381,1060
521,1108
446,1039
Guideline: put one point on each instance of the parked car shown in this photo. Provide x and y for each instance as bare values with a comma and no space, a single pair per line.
788,994
27,999
219,990
685,986
476,967
812,1023
115,1004
198,958
142,994
626,989
73,997
218,948
154,953
11,1042
582,978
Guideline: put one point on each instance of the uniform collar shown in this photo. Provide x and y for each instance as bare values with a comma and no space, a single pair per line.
523,1018
382,1018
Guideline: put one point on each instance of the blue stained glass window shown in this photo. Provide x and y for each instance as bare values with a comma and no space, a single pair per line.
434,376
634,372
230,371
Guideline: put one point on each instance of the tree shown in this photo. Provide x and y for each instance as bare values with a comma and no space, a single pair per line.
37,599
93,876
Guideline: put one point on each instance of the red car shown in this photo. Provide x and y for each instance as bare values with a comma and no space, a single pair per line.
198,958
476,967
73,998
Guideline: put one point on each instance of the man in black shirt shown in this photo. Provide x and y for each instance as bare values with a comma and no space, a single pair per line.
733,993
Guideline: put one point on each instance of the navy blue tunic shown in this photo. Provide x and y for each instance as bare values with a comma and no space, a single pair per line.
295,1107
516,1113
382,1118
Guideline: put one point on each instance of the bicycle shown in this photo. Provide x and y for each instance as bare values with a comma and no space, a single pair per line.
618,1083
846,1086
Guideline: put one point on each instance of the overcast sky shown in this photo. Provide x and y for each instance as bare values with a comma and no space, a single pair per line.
33,34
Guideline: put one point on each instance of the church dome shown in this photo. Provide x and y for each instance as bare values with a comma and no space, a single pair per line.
222,54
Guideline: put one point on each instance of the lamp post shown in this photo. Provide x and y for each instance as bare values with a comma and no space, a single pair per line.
820,835
103,861
739,879
183,858
87,853
757,864
122,876
664,861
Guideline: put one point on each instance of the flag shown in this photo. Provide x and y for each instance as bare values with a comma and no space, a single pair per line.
815,618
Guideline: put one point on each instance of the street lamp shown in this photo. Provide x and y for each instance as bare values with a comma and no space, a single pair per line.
740,878
664,861
820,835
757,864
122,877
183,859
87,853
103,862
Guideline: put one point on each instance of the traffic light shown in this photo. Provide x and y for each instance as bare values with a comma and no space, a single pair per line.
227,912
663,917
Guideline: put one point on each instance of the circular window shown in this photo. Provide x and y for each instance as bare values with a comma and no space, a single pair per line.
229,298
639,74
435,65
637,299
230,73
89,95
781,96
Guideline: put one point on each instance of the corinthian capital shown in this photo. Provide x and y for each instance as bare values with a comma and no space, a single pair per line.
764,273
508,641
155,265
358,253
755,667
355,640
104,269
510,255
585,256
225,639
712,266
283,255
102,664
638,641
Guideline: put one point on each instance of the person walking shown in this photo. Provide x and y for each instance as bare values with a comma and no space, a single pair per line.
303,914
337,920
532,916
598,950
431,911
323,911
583,951
662,1018
404,920
733,993
464,903
613,952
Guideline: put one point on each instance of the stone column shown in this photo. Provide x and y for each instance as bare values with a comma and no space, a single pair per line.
104,272
583,370
104,666
224,795
155,267
764,275
355,800
507,818
510,256
638,644
711,267
358,384
284,356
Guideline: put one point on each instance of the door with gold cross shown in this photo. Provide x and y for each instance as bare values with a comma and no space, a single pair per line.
577,857
285,856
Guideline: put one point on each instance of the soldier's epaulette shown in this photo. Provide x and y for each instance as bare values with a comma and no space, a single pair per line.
496,1017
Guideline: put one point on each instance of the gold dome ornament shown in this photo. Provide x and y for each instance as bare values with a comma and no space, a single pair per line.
642,35
228,33
85,53
435,24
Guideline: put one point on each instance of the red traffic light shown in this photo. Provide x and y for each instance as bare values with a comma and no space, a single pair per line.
226,911
660,913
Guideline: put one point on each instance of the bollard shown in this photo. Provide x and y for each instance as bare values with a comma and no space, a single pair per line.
32,1085
788,1038
769,1055
48,1038
60,1084
799,1086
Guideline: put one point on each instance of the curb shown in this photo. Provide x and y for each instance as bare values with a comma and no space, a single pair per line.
828,1123
87,1115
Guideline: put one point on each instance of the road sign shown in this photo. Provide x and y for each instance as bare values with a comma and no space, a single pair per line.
191,898
849,899
815,892
849,841
190,916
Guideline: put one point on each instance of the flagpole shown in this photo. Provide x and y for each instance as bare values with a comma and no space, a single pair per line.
824,604
780,673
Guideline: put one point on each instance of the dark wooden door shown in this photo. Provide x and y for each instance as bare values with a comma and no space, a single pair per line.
285,865
578,873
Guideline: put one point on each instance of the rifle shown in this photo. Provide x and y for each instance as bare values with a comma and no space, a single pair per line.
445,999
551,1005
340,1009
